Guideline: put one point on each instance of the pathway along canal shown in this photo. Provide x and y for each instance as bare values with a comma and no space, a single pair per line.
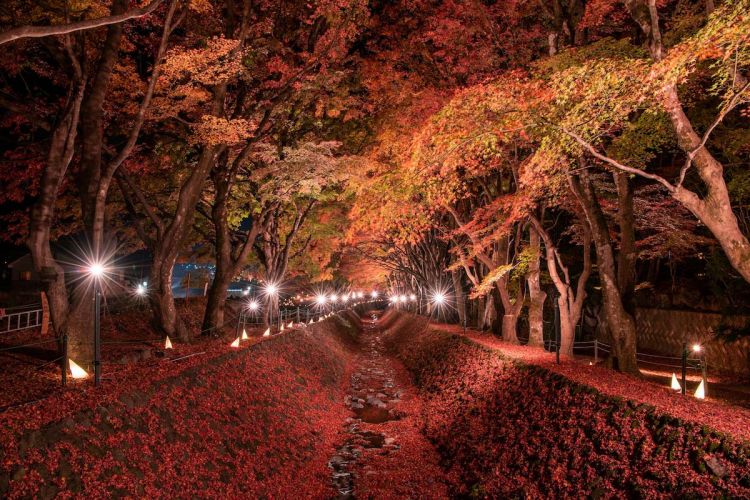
384,453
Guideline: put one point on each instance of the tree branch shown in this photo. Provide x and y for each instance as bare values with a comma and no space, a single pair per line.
42,31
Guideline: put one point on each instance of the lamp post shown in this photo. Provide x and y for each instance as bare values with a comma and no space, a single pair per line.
96,271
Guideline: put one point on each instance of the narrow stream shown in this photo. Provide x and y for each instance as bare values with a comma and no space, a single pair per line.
373,398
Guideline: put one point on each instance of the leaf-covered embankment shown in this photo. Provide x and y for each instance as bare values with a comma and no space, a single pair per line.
505,428
258,422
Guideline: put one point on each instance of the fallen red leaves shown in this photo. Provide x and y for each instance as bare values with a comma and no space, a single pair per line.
257,421
506,428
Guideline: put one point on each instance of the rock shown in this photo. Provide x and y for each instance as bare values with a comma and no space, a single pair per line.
715,465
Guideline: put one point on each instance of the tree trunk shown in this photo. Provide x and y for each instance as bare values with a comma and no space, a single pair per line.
489,314
162,299
537,296
627,256
510,328
460,297
61,151
620,322
567,326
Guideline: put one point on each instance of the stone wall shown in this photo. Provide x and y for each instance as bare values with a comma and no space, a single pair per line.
665,331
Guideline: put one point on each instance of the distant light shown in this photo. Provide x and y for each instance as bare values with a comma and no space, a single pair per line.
140,290
439,298
697,348
267,333
246,292
700,392
236,342
412,297
675,383
321,299
244,335
253,305
374,294
402,298
334,298
271,289
167,343
291,324
75,370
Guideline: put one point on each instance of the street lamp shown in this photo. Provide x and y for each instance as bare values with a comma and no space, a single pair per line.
97,271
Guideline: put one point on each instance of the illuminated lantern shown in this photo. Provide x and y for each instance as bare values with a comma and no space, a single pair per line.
700,392
167,343
675,384
76,371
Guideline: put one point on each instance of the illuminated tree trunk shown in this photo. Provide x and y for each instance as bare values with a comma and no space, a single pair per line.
621,323
161,297
537,296
61,151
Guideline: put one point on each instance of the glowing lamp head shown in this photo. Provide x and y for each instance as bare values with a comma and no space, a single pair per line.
140,290
439,298
271,289
697,348
321,300
334,298
412,297
253,306
374,294
96,270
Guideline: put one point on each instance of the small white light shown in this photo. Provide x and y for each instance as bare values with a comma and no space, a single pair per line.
412,297
374,294
244,335
438,298
321,299
290,325
140,290
675,384
334,298
700,392
167,343
697,348
75,370
267,333
236,342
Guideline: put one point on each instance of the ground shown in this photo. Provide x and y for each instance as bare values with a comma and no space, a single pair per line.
365,406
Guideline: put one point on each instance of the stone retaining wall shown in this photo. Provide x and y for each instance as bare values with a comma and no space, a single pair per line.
665,331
